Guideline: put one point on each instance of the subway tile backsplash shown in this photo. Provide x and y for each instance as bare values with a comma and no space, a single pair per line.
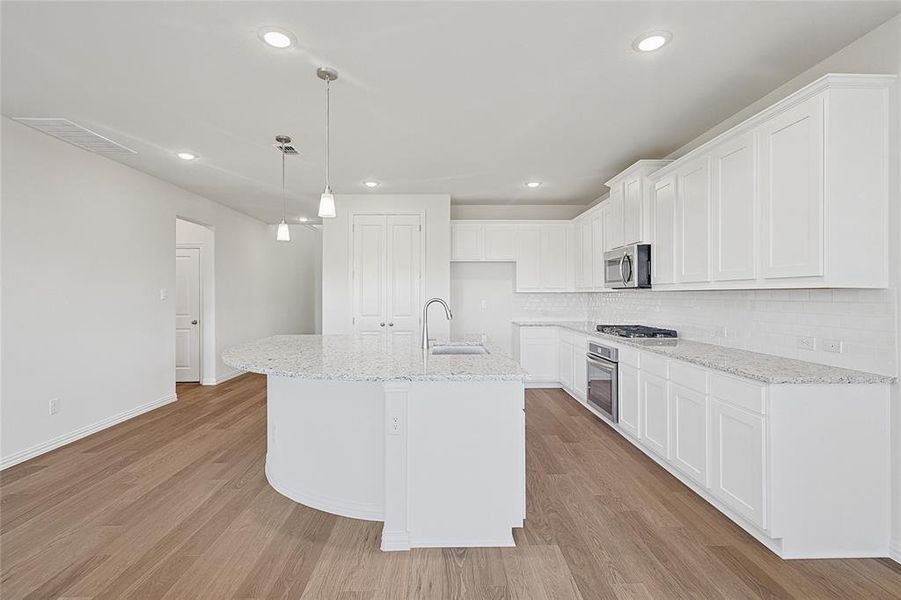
769,321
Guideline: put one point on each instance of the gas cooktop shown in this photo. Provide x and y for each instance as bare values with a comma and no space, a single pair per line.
637,331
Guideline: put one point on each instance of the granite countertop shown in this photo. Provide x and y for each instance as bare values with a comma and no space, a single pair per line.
370,358
767,368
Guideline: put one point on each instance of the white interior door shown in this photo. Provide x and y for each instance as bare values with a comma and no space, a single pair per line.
187,315
404,254
370,264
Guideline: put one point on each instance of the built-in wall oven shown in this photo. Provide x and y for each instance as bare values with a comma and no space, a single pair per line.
628,267
603,380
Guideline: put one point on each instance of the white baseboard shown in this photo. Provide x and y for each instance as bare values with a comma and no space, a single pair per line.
541,384
894,550
221,378
82,432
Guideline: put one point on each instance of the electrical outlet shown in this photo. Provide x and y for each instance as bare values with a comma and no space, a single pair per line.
807,343
832,346
484,304
164,293
53,406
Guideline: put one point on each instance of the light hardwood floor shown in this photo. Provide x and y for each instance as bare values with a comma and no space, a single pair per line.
174,504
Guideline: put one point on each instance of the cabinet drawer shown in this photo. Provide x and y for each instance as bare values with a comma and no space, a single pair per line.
690,376
745,394
538,333
654,364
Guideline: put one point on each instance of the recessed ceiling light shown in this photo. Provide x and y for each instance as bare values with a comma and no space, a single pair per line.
186,155
533,184
371,184
652,40
277,38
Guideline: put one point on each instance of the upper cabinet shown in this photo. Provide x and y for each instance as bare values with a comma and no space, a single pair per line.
629,211
474,241
795,196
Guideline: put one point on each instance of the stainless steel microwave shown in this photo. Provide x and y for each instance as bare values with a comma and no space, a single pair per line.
628,267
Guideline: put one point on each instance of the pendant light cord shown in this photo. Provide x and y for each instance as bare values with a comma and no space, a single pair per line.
328,130
284,195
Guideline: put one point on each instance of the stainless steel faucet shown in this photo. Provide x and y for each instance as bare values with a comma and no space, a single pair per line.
425,319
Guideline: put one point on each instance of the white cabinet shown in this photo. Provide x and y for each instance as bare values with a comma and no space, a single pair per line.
693,219
553,257
597,253
629,400
565,362
538,353
654,414
663,250
733,214
613,222
791,191
587,252
467,242
528,258
738,456
580,367
688,432
500,242
632,210
387,256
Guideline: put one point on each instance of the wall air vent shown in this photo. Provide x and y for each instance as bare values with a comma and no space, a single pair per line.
75,134
289,149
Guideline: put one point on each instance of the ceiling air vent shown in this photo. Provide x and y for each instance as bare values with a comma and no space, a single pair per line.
75,134
289,149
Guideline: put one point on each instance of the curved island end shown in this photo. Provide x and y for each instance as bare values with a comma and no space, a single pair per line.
432,443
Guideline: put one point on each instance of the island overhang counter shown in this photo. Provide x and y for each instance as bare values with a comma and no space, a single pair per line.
373,427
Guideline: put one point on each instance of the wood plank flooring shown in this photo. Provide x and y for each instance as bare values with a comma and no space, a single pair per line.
174,504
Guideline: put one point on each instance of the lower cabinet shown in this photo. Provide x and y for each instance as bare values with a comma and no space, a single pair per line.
580,367
654,414
565,363
538,354
737,459
688,432
629,400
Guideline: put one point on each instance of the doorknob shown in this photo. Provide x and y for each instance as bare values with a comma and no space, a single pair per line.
390,324
194,322
381,324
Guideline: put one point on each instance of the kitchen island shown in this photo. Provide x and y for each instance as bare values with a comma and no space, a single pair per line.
431,442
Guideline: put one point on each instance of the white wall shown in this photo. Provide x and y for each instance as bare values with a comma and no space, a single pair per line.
337,298
87,244
492,283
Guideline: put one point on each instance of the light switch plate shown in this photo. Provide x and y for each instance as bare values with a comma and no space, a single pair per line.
833,346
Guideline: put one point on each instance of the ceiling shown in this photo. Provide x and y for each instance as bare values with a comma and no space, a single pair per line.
471,99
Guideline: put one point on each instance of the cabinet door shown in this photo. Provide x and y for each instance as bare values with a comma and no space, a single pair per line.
565,364
688,432
693,221
538,354
629,400
528,257
632,211
580,367
734,210
597,248
467,241
370,259
588,252
791,192
654,414
553,248
663,250
737,459
613,221
403,275
500,242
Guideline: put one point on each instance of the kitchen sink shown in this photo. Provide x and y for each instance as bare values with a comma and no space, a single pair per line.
459,349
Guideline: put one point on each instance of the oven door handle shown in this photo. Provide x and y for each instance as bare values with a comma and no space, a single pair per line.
600,360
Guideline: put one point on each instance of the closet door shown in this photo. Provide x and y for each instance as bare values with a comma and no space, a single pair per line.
370,258
403,276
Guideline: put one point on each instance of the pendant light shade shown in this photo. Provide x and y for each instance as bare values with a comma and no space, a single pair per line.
327,199
283,234
327,204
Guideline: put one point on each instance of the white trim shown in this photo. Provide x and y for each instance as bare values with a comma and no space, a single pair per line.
82,432
393,541
503,542
542,385
342,508
223,378
894,550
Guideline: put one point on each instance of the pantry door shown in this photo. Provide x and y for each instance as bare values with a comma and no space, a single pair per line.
404,271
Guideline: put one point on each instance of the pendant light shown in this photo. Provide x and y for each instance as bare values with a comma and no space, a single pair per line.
327,199
283,234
